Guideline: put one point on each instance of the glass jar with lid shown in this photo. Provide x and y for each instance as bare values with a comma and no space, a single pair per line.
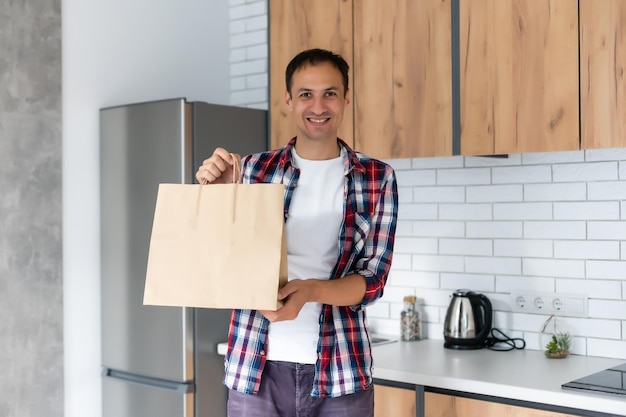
410,320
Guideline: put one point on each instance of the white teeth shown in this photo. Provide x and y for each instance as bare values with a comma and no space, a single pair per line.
318,120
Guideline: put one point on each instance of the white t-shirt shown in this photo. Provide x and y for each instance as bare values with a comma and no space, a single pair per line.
312,231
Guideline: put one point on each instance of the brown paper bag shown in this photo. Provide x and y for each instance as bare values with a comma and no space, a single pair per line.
217,246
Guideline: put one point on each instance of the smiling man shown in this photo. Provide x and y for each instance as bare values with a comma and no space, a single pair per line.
312,357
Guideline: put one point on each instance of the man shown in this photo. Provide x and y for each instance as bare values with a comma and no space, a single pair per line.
312,357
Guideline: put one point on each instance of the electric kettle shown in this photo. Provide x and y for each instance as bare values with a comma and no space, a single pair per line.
468,320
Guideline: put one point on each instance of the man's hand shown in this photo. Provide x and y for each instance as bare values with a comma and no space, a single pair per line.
345,291
295,294
222,167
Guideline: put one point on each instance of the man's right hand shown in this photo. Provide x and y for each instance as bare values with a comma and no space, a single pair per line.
222,167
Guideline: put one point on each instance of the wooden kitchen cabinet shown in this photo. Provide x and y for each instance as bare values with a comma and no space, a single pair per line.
602,64
441,405
402,78
511,86
394,402
296,25
518,76
400,58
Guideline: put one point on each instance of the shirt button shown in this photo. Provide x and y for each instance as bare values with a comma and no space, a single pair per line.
262,353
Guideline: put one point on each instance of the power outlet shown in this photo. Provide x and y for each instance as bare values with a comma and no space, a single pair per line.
573,305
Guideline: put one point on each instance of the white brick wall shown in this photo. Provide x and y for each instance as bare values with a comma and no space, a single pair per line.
546,222
249,57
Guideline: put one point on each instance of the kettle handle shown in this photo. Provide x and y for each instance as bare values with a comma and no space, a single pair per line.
484,317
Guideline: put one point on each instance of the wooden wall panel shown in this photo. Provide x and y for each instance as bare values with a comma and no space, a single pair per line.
294,27
519,76
403,83
602,62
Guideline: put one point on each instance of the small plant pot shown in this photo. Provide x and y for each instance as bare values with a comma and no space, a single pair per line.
557,355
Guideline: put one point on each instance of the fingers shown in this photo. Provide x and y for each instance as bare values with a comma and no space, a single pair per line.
287,290
289,311
272,316
222,167
294,294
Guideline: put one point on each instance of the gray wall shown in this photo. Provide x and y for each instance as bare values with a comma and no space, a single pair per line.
31,308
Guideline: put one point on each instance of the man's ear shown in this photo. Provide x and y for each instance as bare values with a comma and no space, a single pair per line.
347,97
288,100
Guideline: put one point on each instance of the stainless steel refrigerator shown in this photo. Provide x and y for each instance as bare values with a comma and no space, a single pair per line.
159,361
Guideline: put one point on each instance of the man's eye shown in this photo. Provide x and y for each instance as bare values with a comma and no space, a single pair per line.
331,93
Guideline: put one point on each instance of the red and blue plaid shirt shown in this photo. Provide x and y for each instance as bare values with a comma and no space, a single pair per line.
366,238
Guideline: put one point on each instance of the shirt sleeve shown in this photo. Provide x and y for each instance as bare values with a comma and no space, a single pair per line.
375,261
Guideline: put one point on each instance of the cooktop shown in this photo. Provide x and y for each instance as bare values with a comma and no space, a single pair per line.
610,381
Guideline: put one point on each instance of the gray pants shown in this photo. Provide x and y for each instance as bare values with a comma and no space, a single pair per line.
286,392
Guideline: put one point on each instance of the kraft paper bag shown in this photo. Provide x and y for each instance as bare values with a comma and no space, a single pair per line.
217,246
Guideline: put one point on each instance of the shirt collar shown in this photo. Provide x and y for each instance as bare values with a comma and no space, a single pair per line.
351,159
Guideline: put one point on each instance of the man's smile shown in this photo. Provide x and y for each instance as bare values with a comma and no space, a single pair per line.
318,120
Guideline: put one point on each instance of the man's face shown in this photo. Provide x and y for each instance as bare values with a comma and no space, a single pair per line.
317,101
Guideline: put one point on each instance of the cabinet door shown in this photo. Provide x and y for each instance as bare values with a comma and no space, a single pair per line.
391,401
602,62
296,25
402,78
440,405
519,76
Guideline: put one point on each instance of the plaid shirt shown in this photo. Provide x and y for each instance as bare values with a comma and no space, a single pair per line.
366,238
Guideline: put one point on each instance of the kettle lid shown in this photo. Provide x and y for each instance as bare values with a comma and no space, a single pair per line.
462,292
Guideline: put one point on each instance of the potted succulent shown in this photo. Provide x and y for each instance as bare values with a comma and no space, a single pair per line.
559,345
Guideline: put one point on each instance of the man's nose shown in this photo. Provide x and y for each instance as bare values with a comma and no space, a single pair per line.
318,106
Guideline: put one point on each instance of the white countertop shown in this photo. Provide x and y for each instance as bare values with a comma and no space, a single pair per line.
525,375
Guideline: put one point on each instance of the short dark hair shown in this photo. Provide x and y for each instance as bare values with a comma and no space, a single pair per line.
313,57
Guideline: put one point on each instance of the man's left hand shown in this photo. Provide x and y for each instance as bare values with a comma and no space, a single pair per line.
294,294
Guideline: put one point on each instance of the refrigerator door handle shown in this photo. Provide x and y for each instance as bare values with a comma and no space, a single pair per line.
179,387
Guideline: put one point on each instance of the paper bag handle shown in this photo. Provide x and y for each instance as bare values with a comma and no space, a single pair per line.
236,175
235,181
236,169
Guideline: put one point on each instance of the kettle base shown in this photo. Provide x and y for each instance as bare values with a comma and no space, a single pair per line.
463,346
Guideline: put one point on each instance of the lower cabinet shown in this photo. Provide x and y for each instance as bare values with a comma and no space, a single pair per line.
401,400
441,405
394,402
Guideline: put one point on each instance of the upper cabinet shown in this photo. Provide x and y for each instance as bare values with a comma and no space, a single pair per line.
296,25
400,70
518,76
602,62
402,78
468,77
